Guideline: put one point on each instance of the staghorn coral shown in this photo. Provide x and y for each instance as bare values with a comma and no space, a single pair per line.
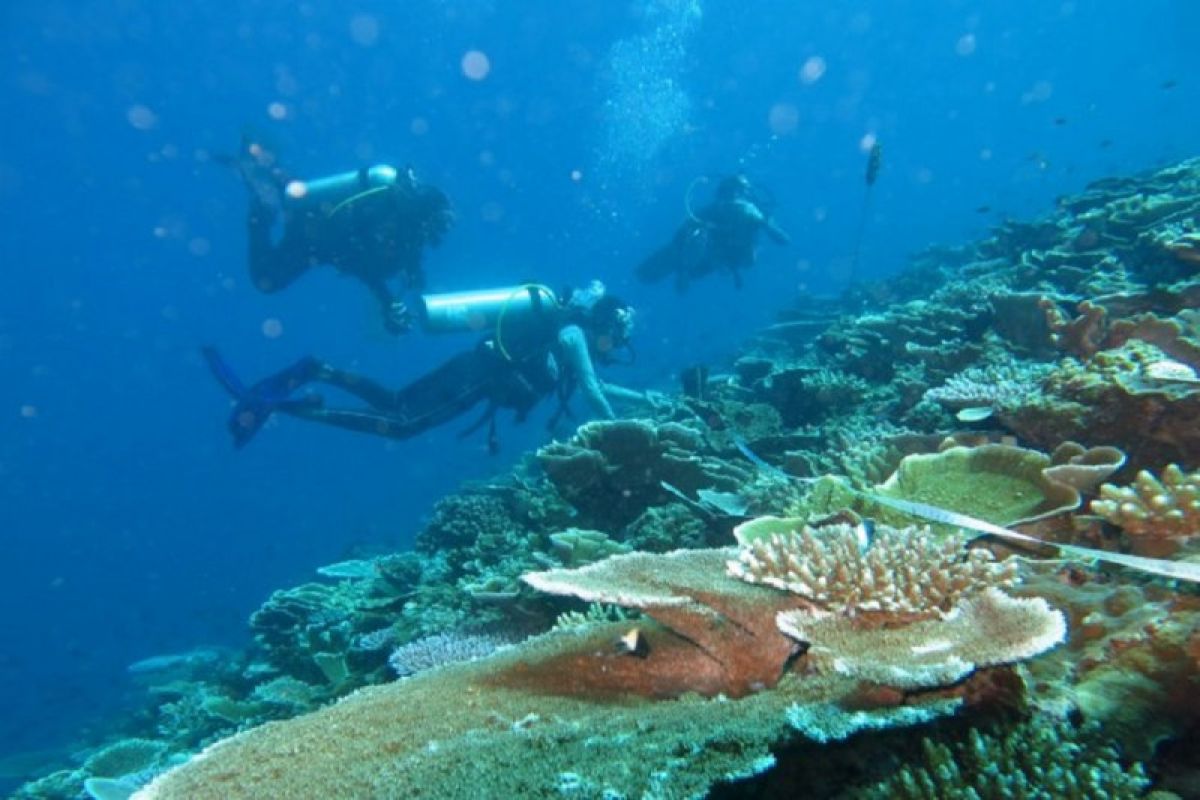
982,630
1166,508
1036,760
904,571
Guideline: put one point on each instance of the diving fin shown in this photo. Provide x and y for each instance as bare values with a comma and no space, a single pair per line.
254,405
256,164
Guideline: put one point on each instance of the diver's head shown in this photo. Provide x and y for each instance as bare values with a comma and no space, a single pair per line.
611,324
607,319
733,187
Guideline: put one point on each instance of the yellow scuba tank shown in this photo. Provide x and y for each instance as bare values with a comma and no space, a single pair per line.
334,193
485,309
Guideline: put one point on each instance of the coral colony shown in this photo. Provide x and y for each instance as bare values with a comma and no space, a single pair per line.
788,577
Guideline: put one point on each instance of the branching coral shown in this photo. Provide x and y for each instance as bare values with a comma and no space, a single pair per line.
1036,759
1166,508
998,385
907,571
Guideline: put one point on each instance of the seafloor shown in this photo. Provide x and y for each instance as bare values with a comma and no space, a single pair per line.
638,630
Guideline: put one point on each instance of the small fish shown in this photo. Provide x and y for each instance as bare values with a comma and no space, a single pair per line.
983,210
1168,84
633,643
1106,143
1060,120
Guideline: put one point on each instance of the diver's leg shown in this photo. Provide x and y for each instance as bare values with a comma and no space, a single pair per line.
273,267
373,422
370,392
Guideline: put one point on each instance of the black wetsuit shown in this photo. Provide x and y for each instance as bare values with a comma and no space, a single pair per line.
722,235
374,238
513,372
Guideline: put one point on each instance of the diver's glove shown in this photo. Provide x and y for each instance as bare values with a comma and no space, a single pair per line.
397,319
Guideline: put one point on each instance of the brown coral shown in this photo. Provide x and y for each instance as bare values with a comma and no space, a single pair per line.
717,635
904,571
1167,508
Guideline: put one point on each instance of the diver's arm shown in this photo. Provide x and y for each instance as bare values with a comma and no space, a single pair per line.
760,218
778,235
598,392
579,361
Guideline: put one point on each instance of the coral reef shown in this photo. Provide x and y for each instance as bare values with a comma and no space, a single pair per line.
832,624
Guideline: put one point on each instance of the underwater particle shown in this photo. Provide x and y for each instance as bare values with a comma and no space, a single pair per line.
419,126
985,154
491,211
812,70
476,65
272,328
141,117
783,118
29,411
868,142
364,29
199,246
296,189
277,110
1040,92
576,175
965,45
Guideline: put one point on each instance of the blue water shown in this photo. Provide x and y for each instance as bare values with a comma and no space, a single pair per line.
132,528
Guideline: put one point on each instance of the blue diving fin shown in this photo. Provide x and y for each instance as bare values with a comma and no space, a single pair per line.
254,405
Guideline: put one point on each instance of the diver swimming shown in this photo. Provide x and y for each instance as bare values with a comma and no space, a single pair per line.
538,344
721,235
372,224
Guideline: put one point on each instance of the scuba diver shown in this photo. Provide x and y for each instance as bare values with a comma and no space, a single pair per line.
371,223
539,345
721,235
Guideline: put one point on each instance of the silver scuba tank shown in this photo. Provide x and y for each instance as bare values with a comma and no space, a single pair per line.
483,309
330,192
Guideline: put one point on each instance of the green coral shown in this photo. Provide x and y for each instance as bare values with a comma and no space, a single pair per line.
1035,760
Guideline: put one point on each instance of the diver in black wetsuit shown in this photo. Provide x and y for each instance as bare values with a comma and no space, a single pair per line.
721,235
371,224
539,346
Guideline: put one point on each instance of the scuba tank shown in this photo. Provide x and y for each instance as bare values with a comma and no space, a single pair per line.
484,309
334,192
